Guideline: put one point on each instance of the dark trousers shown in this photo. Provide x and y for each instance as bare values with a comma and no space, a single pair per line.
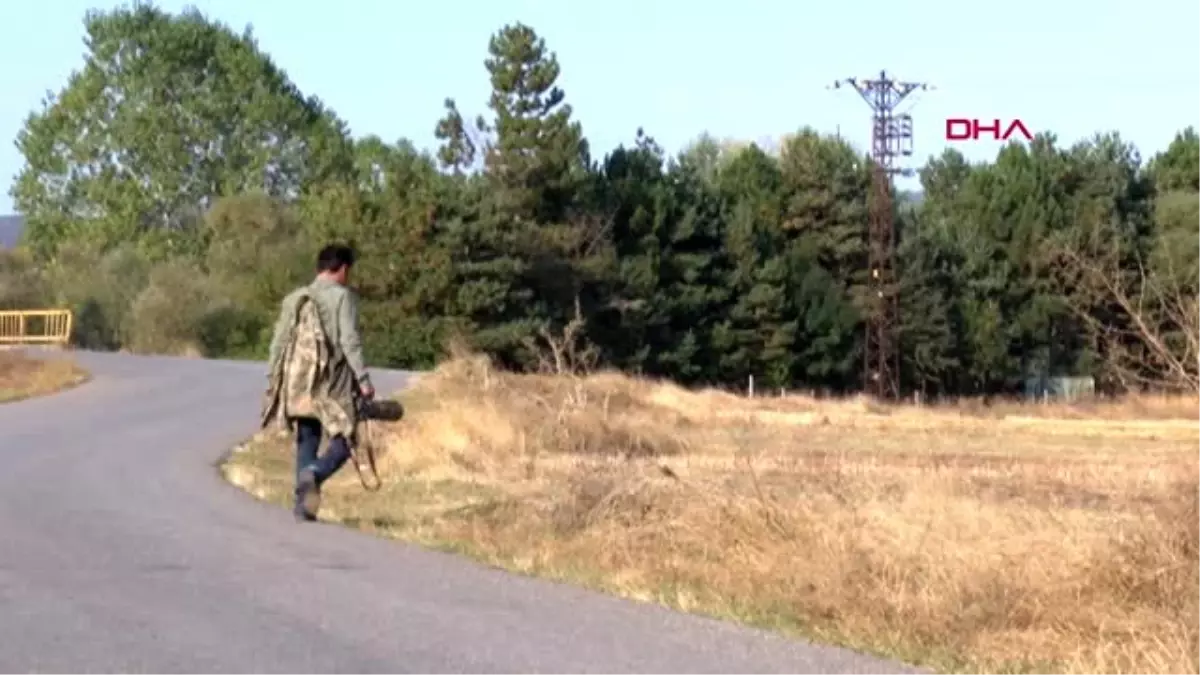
308,443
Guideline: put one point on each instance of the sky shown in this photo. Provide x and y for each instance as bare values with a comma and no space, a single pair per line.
746,70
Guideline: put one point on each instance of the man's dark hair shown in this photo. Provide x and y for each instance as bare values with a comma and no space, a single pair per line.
335,256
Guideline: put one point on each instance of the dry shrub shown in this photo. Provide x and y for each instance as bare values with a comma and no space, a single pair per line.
168,315
122,299
966,541
100,287
514,417
22,285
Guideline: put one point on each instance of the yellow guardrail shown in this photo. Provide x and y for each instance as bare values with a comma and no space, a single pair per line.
36,327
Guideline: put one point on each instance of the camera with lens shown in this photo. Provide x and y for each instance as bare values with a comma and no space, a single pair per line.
381,410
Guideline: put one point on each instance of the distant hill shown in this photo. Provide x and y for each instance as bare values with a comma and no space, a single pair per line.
10,230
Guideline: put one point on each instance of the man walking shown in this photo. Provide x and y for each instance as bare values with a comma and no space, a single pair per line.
317,375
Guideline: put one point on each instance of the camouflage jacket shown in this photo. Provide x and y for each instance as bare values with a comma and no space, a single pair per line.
309,376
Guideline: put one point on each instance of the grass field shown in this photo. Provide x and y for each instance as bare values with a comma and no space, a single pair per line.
22,376
1007,538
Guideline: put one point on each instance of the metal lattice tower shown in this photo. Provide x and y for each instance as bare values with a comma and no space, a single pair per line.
891,137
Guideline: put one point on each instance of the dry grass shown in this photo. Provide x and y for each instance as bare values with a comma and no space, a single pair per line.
23,377
1026,538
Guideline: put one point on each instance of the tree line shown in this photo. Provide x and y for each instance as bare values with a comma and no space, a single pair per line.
179,184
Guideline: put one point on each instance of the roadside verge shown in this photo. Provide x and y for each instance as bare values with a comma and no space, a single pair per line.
23,376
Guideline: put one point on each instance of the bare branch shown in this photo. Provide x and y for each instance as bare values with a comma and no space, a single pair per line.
1145,324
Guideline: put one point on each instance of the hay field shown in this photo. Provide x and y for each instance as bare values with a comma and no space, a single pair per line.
1008,538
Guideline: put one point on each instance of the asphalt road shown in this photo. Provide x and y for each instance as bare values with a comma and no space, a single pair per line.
122,550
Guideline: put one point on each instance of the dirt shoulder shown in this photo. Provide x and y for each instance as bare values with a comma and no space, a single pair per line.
949,538
23,376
